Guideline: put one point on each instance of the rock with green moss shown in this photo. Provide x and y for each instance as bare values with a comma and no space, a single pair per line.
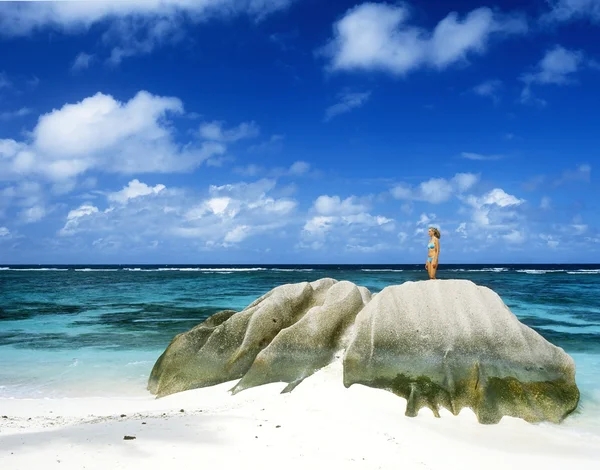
233,344
311,343
445,343
453,344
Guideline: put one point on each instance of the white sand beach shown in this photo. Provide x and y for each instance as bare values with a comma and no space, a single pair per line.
320,424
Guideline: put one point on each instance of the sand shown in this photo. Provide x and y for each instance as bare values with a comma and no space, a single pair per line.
320,424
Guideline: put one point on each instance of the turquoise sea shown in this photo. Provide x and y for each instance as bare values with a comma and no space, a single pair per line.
73,331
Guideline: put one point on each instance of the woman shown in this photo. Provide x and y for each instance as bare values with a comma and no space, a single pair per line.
433,252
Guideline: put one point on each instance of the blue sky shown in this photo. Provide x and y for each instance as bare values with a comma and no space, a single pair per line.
299,131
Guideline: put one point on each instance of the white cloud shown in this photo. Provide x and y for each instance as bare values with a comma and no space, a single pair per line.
338,220
9,115
514,236
368,248
299,168
546,203
377,36
425,220
402,191
228,215
273,145
557,67
334,205
568,10
238,234
462,229
103,134
551,241
480,157
32,214
318,225
581,174
75,216
500,198
82,211
347,101
489,210
489,89
214,131
135,189
26,195
4,232
436,190
82,61
135,27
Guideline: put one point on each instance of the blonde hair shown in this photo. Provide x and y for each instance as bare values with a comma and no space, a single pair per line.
436,232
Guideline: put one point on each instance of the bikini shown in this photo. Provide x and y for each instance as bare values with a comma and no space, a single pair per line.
430,246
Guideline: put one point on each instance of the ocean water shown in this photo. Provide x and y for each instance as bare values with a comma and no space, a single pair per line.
73,331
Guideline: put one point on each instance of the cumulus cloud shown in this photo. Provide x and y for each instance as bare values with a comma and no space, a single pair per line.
32,214
338,220
103,134
515,236
569,10
551,240
238,234
4,232
135,189
299,168
496,197
82,61
488,209
334,205
75,216
557,67
135,27
378,36
347,101
9,115
226,215
489,89
436,190
214,131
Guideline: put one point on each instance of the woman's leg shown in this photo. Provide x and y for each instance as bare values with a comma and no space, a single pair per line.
433,271
430,270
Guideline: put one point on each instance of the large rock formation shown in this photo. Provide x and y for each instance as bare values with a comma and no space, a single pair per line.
455,344
445,343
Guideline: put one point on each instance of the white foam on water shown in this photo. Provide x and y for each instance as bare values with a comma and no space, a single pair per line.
383,270
91,270
292,270
488,270
585,271
34,269
540,271
200,270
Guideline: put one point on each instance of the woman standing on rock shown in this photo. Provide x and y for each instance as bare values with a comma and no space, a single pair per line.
433,252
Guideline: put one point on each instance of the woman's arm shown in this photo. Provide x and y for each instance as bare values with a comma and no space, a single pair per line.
437,252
